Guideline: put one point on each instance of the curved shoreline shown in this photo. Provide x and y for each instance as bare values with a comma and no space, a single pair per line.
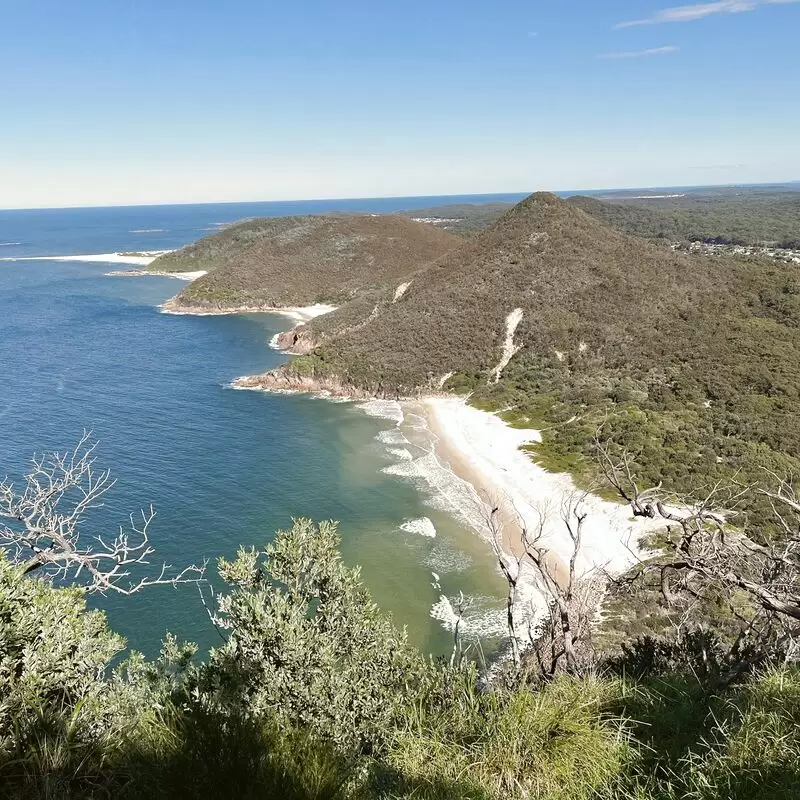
298,313
138,258
484,453
146,273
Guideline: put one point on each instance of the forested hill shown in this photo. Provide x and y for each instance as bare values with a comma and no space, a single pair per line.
735,215
576,282
690,360
746,217
298,261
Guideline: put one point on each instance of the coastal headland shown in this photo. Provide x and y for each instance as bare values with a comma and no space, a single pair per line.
519,345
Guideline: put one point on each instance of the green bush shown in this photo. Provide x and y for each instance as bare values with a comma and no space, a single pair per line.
316,695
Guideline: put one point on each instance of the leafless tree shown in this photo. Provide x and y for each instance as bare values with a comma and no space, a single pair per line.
511,567
42,521
561,639
713,550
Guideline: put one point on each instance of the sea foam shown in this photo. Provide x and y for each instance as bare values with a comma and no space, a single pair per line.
422,527
481,617
444,490
391,437
400,453
384,409
445,559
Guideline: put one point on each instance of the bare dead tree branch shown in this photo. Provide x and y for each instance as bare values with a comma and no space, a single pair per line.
511,567
45,520
713,549
561,641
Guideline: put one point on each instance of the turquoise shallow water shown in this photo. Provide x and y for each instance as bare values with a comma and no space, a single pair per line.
80,350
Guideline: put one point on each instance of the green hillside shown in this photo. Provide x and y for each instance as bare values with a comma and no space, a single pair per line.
574,278
741,217
690,360
290,261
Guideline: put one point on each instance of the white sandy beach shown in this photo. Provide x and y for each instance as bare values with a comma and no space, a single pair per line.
297,313
147,257
484,451
305,313
149,273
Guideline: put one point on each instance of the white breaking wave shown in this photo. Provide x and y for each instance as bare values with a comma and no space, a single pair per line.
391,437
148,230
10,244
444,559
481,617
416,422
444,489
384,409
400,453
422,527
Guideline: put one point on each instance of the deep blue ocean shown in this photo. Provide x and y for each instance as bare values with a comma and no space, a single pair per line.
80,350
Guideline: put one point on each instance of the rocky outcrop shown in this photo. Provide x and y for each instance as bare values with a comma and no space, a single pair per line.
181,305
299,341
285,381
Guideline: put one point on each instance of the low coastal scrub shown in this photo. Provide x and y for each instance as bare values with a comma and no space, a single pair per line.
316,694
616,334
300,261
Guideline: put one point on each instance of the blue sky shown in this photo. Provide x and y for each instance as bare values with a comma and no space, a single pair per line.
194,101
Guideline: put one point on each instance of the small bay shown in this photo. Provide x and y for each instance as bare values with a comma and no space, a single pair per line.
81,350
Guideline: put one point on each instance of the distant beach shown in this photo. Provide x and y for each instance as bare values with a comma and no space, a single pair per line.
138,258
297,313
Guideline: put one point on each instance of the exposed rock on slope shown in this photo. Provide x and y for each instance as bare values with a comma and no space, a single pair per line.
299,261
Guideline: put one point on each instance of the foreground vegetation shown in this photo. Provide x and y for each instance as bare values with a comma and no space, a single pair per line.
315,694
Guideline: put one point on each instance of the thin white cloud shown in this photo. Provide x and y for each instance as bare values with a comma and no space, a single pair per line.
533,34
718,166
653,51
702,10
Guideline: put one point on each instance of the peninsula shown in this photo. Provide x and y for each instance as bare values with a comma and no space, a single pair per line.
560,317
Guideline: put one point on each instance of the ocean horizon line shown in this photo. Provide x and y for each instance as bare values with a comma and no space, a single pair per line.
392,197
